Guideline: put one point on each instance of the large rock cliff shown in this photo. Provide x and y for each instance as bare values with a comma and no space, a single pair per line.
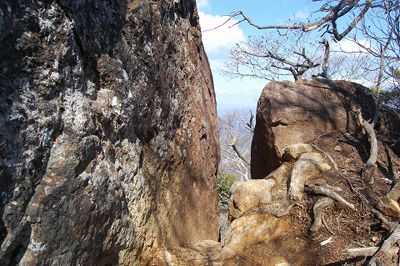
108,137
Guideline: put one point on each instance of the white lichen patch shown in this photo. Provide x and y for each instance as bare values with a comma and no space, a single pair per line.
47,190
55,76
36,247
125,75
77,113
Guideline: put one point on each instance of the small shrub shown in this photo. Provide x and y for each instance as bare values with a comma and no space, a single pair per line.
224,183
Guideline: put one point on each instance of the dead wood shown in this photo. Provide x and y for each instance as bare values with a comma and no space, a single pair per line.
362,252
238,153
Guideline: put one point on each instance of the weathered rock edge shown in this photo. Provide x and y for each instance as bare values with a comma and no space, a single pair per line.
108,136
299,112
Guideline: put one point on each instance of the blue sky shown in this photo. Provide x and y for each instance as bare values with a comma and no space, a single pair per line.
242,93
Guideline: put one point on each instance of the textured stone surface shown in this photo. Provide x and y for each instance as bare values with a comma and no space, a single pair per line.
389,204
281,174
293,152
262,239
206,252
108,137
389,207
299,112
249,194
248,230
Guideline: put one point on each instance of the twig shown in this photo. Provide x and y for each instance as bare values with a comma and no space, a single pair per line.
334,13
323,135
353,189
337,221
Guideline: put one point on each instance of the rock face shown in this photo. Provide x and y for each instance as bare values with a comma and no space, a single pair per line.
249,194
108,137
289,113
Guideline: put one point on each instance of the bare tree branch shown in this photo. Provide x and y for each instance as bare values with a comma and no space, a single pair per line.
334,13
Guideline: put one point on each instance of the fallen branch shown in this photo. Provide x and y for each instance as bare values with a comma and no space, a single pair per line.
327,191
318,208
362,252
386,250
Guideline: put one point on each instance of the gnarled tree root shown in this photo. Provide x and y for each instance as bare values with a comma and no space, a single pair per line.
318,208
329,192
369,171
384,221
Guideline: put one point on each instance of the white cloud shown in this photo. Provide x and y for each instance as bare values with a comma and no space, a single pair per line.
350,46
203,3
217,36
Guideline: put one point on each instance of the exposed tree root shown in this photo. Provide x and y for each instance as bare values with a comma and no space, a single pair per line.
387,250
327,191
318,208
368,173
370,166
384,221
334,164
326,225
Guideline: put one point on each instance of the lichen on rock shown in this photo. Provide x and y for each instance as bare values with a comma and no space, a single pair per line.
108,137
